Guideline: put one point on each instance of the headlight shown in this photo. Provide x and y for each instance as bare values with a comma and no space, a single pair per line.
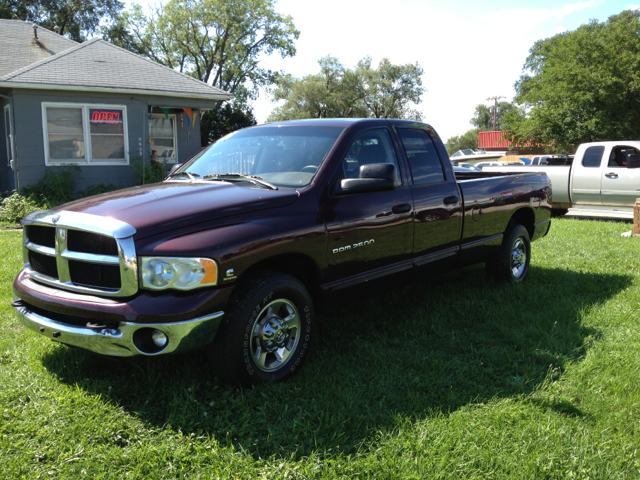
159,273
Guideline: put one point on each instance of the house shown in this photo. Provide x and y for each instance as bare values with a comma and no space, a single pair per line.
92,104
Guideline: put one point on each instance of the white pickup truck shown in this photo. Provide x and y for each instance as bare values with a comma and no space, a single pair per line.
604,177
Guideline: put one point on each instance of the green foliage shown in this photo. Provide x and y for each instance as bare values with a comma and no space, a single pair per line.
228,118
453,377
57,186
217,41
149,171
483,116
389,90
74,18
581,86
466,140
363,92
15,207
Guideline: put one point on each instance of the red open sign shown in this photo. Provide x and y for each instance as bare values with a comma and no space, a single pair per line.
106,117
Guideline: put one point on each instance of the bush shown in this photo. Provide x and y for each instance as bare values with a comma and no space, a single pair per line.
149,172
55,187
15,207
59,186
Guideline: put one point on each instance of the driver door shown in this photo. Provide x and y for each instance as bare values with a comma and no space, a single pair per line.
369,234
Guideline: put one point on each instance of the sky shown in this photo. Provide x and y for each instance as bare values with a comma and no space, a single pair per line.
469,50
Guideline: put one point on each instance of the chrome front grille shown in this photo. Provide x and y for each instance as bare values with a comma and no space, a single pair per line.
81,252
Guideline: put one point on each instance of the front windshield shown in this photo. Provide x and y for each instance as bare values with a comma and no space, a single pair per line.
284,156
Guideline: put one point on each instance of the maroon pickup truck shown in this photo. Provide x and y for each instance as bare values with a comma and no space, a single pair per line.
230,252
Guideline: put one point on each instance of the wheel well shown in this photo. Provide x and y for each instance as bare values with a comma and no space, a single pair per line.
524,217
297,265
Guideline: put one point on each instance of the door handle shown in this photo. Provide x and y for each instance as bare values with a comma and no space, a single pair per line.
450,200
611,175
402,208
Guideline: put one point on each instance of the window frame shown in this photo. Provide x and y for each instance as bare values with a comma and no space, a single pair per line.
86,133
9,134
175,137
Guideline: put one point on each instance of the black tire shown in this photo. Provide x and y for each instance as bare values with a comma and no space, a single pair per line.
266,331
511,264
559,212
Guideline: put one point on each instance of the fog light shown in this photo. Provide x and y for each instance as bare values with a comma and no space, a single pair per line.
159,338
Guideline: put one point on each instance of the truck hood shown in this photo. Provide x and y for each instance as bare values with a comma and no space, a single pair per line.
166,206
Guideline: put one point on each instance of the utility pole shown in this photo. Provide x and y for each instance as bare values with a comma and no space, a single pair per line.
495,108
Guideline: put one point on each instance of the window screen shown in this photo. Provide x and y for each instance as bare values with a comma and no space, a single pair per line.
423,158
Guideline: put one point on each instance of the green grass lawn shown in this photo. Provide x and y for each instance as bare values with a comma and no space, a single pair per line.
450,377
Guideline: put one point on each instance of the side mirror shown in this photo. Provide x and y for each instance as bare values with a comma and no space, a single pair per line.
374,177
633,160
174,168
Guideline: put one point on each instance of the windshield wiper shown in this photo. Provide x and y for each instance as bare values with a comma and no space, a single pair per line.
240,177
192,175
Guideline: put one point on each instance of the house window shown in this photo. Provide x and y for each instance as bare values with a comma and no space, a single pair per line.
8,130
162,135
85,134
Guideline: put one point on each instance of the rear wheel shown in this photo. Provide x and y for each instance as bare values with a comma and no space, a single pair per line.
265,334
511,264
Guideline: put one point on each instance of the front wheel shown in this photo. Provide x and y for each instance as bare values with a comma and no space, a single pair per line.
266,332
511,264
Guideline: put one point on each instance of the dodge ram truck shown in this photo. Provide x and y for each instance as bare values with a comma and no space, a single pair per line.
230,252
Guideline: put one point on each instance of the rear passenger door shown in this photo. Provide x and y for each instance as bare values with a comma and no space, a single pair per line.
585,184
437,201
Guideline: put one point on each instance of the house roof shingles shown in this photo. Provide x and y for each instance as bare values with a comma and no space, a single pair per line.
98,65
20,48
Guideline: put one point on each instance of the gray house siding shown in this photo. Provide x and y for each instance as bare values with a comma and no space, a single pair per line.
29,138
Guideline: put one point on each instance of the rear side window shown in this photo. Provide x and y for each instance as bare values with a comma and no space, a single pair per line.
593,157
423,158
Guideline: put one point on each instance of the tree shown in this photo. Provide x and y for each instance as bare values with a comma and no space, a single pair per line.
73,18
389,90
332,93
581,86
338,92
219,42
217,123
483,116
466,140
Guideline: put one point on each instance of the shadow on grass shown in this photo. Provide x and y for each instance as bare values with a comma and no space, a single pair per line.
431,347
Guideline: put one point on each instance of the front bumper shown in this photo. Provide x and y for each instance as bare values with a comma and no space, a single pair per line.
128,338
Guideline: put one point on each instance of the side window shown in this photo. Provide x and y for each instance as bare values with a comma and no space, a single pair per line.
620,155
423,158
371,146
593,157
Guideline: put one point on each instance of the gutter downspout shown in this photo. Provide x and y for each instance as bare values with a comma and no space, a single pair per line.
12,128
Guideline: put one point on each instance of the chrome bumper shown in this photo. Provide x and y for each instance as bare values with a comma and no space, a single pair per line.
128,339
